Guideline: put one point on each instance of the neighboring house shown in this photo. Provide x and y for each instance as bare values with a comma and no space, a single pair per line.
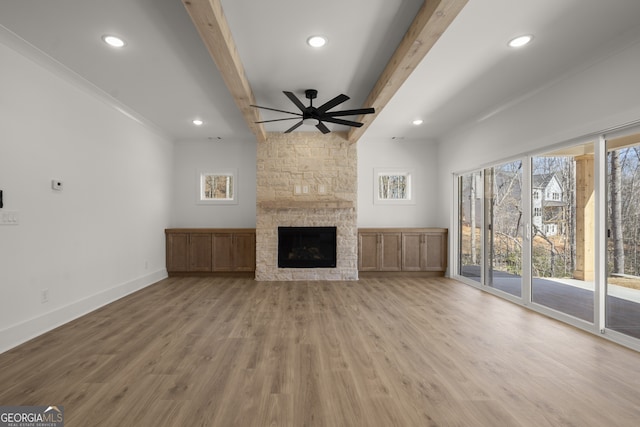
547,204
547,200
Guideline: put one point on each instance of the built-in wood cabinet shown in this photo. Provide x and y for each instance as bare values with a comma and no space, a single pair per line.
368,251
234,251
177,251
202,250
379,251
413,251
402,249
244,250
424,251
215,250
223,247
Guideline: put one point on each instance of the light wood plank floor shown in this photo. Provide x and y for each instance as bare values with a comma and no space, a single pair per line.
378,352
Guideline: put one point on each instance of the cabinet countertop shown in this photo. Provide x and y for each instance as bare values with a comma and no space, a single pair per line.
209,230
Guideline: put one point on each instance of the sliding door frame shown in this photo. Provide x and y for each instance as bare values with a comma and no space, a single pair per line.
601,260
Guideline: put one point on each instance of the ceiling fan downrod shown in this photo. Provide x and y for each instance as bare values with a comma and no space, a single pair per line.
311,94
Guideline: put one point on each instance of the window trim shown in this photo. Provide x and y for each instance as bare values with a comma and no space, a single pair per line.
201,173
408,172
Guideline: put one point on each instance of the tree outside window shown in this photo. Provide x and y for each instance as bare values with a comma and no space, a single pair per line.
218,187
393,186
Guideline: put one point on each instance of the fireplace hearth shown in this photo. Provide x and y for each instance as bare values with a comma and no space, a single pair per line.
307,247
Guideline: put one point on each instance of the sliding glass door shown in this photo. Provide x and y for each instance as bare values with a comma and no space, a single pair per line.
503,227
470,190
623,235
562,230
490,224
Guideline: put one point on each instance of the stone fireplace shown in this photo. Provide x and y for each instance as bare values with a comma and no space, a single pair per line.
306,179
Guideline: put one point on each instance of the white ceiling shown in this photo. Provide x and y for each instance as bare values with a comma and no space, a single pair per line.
166,77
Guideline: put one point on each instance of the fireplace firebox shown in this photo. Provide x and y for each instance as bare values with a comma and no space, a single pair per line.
306,247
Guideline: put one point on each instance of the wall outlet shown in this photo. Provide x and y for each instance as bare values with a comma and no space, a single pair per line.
9,218
44,296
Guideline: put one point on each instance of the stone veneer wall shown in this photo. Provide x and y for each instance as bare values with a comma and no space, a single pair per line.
306,159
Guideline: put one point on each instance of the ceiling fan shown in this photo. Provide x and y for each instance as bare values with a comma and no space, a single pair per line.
317,115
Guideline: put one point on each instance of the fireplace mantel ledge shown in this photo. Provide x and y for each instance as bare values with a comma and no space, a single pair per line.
306,204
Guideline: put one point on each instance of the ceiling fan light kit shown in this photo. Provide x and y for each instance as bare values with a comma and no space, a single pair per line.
317,115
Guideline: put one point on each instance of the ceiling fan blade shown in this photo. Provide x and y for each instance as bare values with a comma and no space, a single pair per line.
341,122
350,112
294,127
295,100
322,128
332,103
275,109
278,120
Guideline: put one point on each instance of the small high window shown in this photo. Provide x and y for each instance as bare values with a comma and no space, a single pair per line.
393,186
217,187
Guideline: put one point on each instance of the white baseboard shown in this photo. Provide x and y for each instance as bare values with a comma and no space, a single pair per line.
22,332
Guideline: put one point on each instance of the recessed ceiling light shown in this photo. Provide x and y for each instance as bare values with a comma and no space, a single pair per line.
197,122
520,41
417,122
316,41
113,41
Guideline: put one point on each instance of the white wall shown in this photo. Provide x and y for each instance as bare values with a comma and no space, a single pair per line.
417,155
191,156
102,236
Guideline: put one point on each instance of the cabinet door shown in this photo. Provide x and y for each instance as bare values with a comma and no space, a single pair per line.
244,252
223,252
177,252
391,251
413,254
200,252
368,251
435,252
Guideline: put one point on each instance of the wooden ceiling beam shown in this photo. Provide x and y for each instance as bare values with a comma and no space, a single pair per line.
433,18
208,18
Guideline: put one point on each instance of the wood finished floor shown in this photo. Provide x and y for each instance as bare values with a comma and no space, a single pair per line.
377,352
